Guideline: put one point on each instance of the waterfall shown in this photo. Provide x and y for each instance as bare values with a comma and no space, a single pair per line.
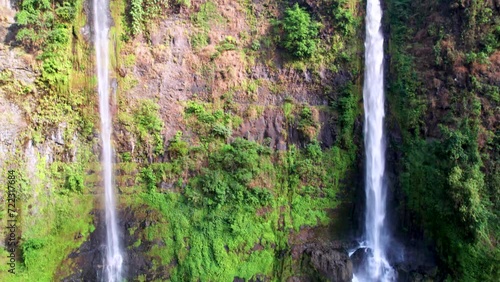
113,259
377,267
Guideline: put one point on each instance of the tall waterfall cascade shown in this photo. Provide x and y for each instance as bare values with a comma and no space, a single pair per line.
113,258
377,267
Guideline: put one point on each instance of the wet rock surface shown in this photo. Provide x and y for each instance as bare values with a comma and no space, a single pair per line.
86,263
407,273
331,261
15,71
418,264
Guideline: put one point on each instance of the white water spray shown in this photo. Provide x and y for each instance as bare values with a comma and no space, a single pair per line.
113,260
377,268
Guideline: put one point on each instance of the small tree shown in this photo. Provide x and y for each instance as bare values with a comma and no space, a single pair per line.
300,32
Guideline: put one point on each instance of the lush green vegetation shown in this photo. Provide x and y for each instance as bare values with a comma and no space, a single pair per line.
52,225
145,123
140,13
224,207
319,36
149,126
46,30
349,110
344,18
448,178
300,32
56,194
232,216
217,206
227,221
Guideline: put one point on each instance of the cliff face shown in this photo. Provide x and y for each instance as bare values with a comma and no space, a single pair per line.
238,138
443,98
236,152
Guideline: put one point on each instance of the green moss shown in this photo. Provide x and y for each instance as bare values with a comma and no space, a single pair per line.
148,126
209,124
54,221
207,16
226,222
199,40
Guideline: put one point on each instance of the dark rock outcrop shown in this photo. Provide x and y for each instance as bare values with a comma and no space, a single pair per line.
419,264
406,273
412,268
331,261
86,263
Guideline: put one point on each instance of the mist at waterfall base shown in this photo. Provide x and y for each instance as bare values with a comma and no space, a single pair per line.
113,258
375,266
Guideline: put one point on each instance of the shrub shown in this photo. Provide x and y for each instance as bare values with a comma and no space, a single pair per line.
306,123
66,12
227,180
344,19
313,150
137,14
150,125
256,45
74,182
199,40
29,248
221,130
126,157
24,17
148,177
178,147
209,124
300,32
58,36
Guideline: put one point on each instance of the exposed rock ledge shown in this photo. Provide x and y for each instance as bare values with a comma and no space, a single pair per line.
331,261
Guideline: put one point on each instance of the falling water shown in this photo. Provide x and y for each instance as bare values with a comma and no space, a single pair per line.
113,259
377,268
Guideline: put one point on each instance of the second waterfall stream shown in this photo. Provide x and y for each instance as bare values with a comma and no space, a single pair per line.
377,267
113,259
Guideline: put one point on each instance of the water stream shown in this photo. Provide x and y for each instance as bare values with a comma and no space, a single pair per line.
113,259
376,238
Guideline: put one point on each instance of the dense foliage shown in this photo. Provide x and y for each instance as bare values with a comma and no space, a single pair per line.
140,13
448,176
47,31
208,204
300,32
226,223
